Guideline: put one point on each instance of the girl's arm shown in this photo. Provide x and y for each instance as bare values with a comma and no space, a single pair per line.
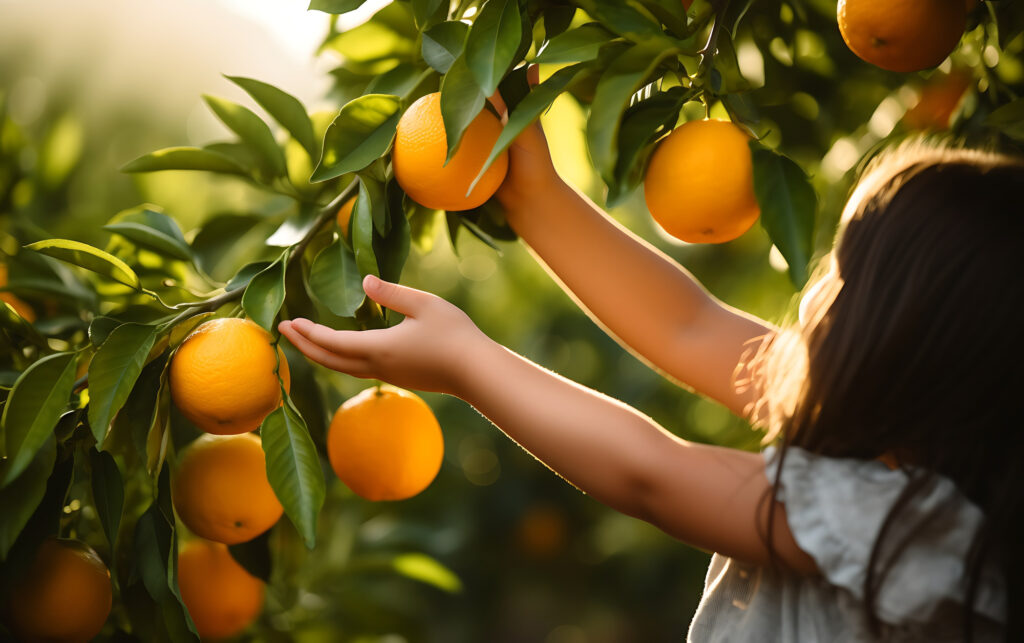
710,497
637,293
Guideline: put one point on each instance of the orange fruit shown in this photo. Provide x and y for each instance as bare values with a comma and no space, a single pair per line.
699,184
64,594
421,147
385,444
939,100
222,376
345,215
222,598
221,491
902,35
19,306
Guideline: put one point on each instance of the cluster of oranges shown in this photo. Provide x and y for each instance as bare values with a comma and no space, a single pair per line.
226,377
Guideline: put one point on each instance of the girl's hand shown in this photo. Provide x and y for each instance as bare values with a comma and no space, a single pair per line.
428,351
531,174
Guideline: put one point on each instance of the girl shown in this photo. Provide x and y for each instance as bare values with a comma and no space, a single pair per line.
891,507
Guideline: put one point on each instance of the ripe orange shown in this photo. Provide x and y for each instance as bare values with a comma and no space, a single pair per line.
421,148
222,598
902,35
699,185
222,376
64,595
345,215
385,444
221,491
16,302
938,101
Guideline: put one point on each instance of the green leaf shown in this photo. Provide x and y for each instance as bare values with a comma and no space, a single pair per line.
113,371
392,249
527,111
788,205
245,274
18,500
622,78
427,570
154,231
629,21
642,124
284,108
100,328
295,227
429,12
576,45
335,6
370,198
264,295
88,257
251,129
153,538
492,42
461,101
35,404
184,158
107,492
400,81
443,43
727,77
334,280
293,468
361,133
1009,119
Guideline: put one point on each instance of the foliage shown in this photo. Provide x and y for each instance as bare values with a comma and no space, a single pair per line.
86,401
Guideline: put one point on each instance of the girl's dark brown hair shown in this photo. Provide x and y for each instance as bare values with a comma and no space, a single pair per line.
912,350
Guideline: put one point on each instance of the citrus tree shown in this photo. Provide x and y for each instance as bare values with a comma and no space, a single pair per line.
150,411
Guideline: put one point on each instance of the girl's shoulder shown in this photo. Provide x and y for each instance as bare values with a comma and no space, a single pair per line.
836,508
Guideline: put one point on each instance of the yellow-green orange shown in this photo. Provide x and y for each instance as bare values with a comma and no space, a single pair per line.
221,491
223,376
421,148
222,598
385,444
63,596
699,183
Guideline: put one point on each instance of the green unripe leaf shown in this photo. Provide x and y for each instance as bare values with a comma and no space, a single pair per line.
88,257
361,133
493,41
264,295
113,371
293,468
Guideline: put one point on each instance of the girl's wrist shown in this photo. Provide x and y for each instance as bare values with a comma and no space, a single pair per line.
478,358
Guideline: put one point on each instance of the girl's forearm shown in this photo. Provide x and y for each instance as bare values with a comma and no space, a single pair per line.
710,497
637,293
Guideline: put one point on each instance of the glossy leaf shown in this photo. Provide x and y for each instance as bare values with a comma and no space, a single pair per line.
335,281
493,41
622,78
20,499
443,43
527,111
427,570
294,228
284,108
245,274
788,206
576,45
251,129
293,468
184,158
362,226
107,492
428,12
461,101
335,6
361,133
100,328
264,295
88,257
36,402
154,231
392,249
113,371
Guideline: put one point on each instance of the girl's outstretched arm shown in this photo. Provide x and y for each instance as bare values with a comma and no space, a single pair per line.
637,293
710,497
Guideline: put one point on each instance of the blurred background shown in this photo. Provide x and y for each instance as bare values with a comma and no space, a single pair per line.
89,86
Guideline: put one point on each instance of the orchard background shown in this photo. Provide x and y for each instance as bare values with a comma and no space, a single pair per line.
116,246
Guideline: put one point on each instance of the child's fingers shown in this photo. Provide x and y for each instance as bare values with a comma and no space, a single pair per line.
322,356
346,343
401,299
